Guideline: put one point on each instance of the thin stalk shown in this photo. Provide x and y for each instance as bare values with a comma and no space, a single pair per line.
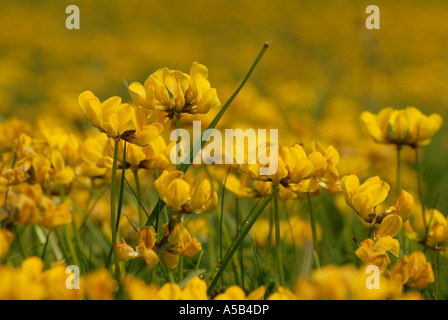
19,240
112,202
397,191
68,239
278,243
271,223
398,181
237,216
436,273
238,239
169,275
61,242
221,217
45,246
120,198
138,196
293,240
419,185
178,141
198,263
313,231
180,269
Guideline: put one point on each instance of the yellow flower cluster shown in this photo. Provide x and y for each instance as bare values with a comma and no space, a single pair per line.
176,243
175,92
401,126
69,191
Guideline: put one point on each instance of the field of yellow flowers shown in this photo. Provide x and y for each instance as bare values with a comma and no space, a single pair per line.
93,207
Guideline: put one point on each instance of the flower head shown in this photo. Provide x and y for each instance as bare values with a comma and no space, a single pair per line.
183,197
146,245
119,120
175,92
401,127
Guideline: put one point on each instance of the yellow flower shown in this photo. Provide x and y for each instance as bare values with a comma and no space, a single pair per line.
343,282
436,230
413,271
403,205
325,173
62,174
55,215
23,199
137,289
402,127
10,130
389,228
236,293
179,243
170,291
371,256
55,279
182,197
282,294
6,238
67,144
195,289
119,120
175,92
183,243
125,252
293,166
23,283
238,186
300,172
146,243
100,285
366,197
157,154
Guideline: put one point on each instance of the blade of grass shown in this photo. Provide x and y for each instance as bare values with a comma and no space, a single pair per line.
239,238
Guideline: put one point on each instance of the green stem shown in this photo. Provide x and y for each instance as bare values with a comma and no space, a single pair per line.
112,206
247,225
112,200
278,243
180,269
398,181
45,246
138,195
19,240
237,216
313,231
420,191
70,246
67,234
120,198
401,238
221,217
178,141
436,276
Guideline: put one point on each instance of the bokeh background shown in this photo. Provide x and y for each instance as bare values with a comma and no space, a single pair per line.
322,69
